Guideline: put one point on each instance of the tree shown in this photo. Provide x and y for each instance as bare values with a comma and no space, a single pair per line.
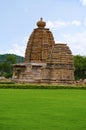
11,59
6,68
80,67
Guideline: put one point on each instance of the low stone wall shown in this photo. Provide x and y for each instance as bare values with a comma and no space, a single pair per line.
81,81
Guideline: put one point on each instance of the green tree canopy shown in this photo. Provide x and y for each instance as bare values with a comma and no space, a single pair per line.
6,68
80,67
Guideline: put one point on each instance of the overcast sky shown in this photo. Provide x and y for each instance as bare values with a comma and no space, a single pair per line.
65,18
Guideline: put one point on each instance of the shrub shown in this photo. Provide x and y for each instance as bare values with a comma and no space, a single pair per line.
41,86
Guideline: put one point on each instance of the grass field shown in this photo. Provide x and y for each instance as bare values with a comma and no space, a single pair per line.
40,109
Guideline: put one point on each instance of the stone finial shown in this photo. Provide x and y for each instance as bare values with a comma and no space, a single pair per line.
41,19
41,23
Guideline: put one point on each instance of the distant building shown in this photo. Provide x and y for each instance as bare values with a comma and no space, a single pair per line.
45,61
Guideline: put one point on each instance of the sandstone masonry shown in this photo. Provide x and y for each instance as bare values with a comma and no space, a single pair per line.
45,61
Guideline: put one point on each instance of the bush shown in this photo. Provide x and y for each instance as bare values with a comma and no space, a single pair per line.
41,86
6,83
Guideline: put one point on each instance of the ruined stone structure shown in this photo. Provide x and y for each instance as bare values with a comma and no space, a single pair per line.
45,61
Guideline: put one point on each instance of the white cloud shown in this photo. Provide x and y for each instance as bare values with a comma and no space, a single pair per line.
19,48
85,22
83,2
59,24
76,42
76,22
56,24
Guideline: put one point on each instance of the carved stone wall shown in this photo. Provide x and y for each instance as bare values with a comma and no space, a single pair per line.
60,64
28,72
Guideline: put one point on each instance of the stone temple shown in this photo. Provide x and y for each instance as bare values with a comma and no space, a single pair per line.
45,61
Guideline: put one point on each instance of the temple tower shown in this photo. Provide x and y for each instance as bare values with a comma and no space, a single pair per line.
60,65
39,44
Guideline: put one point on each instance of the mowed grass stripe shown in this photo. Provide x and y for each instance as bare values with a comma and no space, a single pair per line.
37,109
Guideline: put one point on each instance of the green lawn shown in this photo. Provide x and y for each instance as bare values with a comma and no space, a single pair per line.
40,109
